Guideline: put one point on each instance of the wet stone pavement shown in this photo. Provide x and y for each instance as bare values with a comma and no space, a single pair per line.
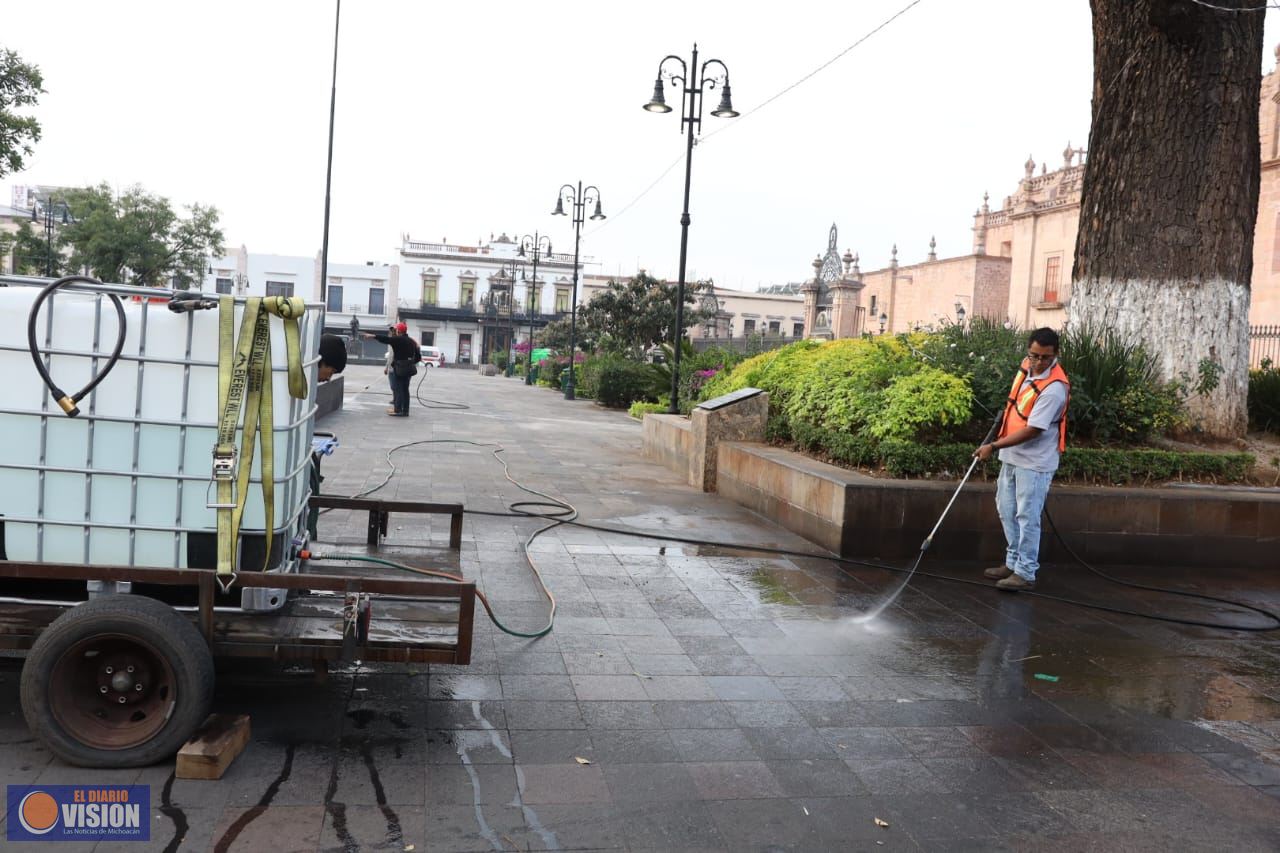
695,698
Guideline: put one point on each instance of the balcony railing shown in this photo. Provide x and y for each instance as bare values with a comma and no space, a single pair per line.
474,312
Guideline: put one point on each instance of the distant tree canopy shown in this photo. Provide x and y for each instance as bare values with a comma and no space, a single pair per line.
20,86
137,238
33,254
632,316
556,335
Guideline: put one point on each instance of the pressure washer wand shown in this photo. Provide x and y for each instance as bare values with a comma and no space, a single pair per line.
928,540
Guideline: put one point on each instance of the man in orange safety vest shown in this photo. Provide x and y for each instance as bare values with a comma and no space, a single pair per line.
1032,436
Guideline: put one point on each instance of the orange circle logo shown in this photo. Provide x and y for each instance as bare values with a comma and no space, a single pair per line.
38,812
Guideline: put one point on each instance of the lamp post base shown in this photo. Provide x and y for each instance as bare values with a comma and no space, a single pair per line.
569,392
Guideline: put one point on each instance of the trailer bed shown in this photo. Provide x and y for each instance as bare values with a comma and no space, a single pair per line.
410,620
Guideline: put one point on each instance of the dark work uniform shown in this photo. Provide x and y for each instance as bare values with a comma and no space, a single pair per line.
403,350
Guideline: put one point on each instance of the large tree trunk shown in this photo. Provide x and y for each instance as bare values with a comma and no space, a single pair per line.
1170,197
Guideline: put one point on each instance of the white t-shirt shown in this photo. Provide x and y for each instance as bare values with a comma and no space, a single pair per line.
1040,453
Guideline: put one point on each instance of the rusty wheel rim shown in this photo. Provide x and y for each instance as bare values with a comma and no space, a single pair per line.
111,691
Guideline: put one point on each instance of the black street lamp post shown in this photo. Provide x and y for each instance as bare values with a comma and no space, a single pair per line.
579,198
691,105
53,213
537,246
508,271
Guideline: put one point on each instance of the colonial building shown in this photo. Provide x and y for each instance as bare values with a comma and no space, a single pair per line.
841,301
1021,265
739,314
1264,306
472,300
743,314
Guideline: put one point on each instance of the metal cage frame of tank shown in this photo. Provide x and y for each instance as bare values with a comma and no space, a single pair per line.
292,486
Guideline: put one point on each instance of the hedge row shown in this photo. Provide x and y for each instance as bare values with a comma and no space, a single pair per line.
1079,464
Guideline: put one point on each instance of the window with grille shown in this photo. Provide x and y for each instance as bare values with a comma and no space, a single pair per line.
333,298
748,327
377,301
279,288
797,329
468,298
1052,273
428,293
222,285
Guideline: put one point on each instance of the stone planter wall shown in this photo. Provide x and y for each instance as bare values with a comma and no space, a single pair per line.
668,440
689,446
860,516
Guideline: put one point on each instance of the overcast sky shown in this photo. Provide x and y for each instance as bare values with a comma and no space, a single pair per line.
457,120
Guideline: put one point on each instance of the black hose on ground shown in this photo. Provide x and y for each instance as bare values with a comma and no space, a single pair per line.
561,513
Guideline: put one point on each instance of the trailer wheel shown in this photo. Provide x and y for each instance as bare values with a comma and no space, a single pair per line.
119,681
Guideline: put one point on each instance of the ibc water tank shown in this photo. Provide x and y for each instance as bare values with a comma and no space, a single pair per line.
127,482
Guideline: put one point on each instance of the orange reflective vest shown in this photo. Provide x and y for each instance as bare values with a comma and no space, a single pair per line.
1017,409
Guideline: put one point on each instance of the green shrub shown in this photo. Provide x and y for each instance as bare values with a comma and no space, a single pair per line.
498,358
910,459
1123,466
701,369
853,385
984,353
766,371
617,382
549,370
1264,397
920,403
638,409
1116,393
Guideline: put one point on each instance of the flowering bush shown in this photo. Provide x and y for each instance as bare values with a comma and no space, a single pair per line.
522,348
700,378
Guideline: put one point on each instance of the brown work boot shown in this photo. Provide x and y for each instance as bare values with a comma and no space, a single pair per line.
998,573
1015,583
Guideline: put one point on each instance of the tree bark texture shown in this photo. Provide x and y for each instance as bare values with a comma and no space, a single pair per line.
1170,197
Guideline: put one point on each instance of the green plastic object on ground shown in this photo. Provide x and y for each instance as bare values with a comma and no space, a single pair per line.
1043,677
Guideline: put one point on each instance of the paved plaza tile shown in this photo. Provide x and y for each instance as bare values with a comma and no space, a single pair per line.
706,698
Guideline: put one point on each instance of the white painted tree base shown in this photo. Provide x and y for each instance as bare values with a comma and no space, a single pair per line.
1181,323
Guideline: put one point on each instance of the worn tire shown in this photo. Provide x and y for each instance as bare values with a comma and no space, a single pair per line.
70,717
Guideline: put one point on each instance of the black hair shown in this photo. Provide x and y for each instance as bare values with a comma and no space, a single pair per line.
333,352
1045,337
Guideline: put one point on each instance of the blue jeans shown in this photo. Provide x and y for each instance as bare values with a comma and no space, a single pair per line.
400,393
1020,494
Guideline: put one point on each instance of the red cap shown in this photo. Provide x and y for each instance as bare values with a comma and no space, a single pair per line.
402,328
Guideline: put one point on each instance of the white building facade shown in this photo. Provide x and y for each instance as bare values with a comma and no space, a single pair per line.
363,293
470,301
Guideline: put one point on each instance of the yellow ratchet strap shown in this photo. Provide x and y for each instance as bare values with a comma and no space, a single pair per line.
244,382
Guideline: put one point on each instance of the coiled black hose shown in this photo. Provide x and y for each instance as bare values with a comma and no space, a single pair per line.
68,402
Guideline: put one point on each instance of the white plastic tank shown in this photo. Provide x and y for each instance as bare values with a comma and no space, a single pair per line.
127,481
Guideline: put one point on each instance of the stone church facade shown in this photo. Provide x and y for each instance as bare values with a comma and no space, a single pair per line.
1020,267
